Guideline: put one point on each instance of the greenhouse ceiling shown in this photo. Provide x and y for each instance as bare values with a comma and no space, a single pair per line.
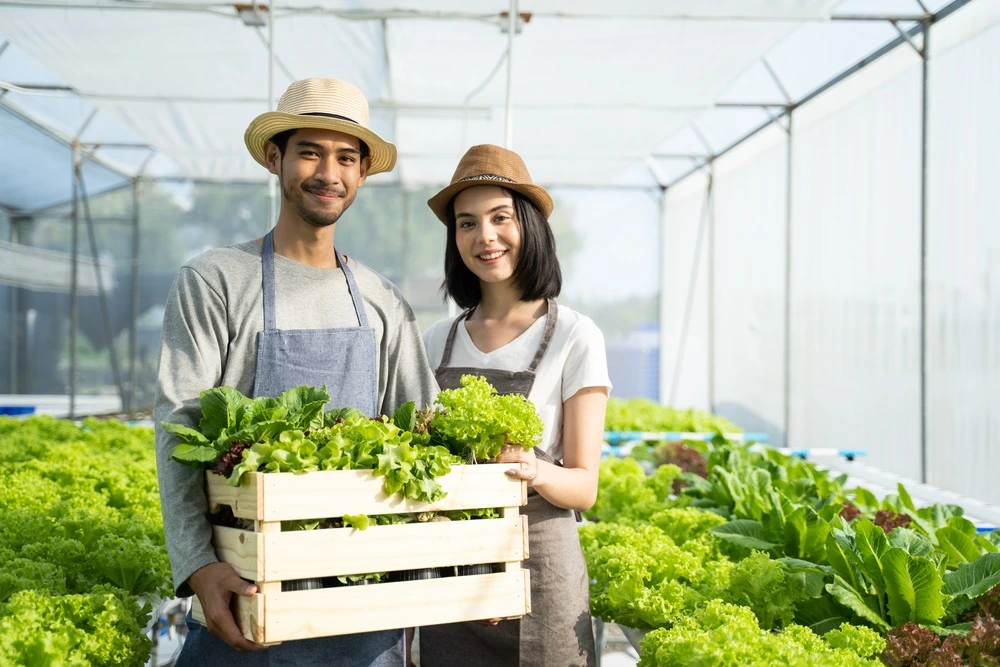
620,94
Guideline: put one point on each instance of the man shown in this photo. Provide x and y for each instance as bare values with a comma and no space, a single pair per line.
274,313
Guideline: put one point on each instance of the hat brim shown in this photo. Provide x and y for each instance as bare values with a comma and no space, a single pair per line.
535,193
266,125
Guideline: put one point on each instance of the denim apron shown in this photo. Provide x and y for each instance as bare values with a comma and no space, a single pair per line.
343,359
558,631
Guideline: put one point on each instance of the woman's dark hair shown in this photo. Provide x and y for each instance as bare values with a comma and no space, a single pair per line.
281,141
536,273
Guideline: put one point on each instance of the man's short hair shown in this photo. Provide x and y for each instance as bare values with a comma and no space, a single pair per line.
536,274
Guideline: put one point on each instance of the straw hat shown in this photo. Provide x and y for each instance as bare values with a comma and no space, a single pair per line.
325,104
491,165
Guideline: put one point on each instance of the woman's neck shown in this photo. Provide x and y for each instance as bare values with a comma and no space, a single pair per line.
501,302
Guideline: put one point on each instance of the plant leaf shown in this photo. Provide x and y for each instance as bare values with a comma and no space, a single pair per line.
974,579
913,588
744,532
305,405
871,545
959,547
853,600
910,542
904,497
405,416
222,408
194,454
186,433
821,614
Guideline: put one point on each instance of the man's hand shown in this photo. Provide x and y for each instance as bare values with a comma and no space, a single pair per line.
215,585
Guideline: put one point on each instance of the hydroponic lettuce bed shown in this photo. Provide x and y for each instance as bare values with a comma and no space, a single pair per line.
724,555
82,557
756,558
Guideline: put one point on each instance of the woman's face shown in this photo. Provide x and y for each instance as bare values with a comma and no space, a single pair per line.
487,232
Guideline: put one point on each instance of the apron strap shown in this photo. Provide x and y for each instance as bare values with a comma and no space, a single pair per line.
267,267
543,346
446,355
550,328
352,287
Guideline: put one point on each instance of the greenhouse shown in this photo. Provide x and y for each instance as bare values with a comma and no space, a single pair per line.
778,283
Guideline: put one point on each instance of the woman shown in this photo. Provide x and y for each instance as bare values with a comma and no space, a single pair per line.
501,266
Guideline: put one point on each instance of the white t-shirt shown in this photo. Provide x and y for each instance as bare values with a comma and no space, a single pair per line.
576,358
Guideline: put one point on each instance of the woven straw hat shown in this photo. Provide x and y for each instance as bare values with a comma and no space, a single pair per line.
324,104
491,165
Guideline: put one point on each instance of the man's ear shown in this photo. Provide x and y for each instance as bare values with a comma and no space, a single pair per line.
366,163
273,158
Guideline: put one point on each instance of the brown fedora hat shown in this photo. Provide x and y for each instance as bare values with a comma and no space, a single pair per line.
491,165
323,104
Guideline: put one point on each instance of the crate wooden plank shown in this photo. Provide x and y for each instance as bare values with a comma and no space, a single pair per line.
352,609
250,610
341,551
244,499
331,493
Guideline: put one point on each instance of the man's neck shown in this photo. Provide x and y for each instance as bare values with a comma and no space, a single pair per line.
299,241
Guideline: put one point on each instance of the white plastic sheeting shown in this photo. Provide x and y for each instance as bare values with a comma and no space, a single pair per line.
36,170
963,262
684,326
51,271
855,272
749,304
597,86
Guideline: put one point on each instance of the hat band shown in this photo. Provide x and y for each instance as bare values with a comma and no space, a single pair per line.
487,177
329,115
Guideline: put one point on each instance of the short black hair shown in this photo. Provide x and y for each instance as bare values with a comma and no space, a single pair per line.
281,141
536,273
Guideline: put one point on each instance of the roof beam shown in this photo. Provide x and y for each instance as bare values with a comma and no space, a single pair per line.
57,136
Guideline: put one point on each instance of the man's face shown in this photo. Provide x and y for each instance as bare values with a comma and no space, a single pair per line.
319,174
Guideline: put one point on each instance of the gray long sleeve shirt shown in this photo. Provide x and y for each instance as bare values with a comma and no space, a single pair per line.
209,339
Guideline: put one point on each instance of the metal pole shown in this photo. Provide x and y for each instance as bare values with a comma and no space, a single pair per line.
102,296
692,288
661,315
788,284
272,186
508,140
404,248
710,233
132,334
14,320
73,312
923,257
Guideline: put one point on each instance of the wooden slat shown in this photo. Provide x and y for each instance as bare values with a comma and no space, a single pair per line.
267,529
341,551
244,499
239,548
249,610
333,493
353,609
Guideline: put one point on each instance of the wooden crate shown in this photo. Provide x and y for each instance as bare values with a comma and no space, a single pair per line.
268,556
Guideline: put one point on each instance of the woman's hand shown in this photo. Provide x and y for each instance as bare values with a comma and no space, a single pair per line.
517,454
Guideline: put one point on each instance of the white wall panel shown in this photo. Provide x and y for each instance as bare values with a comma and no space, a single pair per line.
684,296
749,209
963,260
855,266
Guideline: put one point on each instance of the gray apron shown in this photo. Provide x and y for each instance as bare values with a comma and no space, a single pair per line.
343,359
558,631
